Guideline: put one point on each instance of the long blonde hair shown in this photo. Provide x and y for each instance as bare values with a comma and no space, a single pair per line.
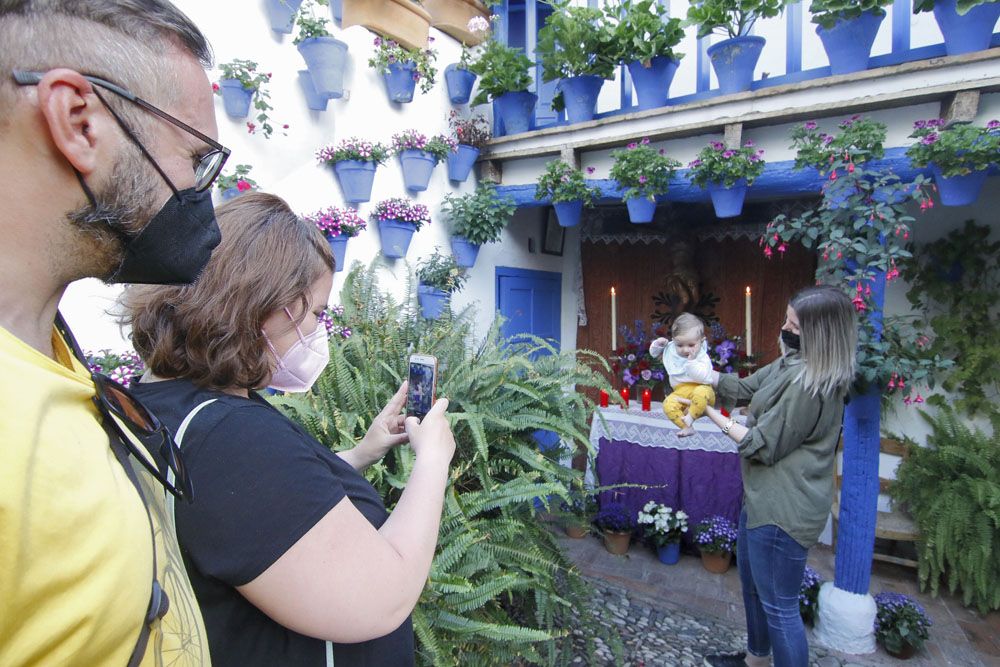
829,339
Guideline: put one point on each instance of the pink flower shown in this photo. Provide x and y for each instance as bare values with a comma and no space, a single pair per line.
810,125
591,170
215,87
645,141
243,186
768,252
642,179
632,146
782,248
251,128
918,399
850,168
993,125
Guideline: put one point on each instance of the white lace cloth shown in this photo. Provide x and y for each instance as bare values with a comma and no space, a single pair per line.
653,429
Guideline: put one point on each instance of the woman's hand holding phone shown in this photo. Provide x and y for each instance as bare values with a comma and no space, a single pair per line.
431,437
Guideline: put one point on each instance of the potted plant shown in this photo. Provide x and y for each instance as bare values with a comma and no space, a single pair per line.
959,156
645,39
458,78
615,522
901,624
325,56
354,162
281,14
809,596
576,48
314,101
716,540
727,173
122,367
643,173
476,218
504,79
733,59
242,84
439,276
235,183
338,226
967,25
402,68
847,29
632,361
578,509
403,21
418,156
398,219
565,187
469,135
664,528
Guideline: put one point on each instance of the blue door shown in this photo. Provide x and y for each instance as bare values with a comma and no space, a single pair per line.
530,302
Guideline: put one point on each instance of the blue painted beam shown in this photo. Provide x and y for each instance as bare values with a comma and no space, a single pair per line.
793,38
901,10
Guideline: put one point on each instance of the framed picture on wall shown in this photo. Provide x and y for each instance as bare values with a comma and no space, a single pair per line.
553,235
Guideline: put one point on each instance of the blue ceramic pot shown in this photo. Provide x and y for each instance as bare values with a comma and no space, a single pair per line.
400,82
417,166
670,553
229,193
395,236
464,251
461,161
325,57
728,202
580,95
281,14
432,301
734,61
969,32
337,10
338,245
568,212
652,84
235,98
640,209
515,111
958,190
314,100
848,44
459,83
355,178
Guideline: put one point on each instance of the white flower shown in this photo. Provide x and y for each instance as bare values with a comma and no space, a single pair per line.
478,24
681,515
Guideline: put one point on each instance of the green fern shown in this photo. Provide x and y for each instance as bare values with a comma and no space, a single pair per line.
500,590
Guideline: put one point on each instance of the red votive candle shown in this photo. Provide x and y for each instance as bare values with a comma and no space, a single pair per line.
647,396
624,393
604,399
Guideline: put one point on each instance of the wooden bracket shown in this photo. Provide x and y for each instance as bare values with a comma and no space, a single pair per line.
570,156
960,107
734,135
491,170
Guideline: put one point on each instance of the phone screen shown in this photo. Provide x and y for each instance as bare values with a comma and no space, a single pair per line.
421,391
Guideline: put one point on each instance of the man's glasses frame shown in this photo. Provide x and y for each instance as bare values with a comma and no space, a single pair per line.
210,164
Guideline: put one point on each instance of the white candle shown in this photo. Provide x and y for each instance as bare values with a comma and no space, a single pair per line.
614,322
748,324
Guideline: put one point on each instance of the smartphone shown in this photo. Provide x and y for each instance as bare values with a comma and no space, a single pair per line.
423,383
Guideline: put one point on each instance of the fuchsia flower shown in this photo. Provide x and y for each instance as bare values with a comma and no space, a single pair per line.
642,179
632,146
993,125
810,125
215,87
243,186
251,128
591,170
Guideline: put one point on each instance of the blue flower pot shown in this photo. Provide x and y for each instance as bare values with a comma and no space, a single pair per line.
461,161
235,98
971,32
314,100
515,111
229,193
848,44
652,84
281,14
546,439
568,212
465,252
728,202
734,61
325,57
640,209
400,82
395,236
958,190
670,553
355,178
459,83
432,301
338,245
337,10
580,95
417,166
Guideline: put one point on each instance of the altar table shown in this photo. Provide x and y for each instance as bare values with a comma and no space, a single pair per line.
701,473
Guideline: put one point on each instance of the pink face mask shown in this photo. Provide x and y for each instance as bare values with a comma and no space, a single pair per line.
300,366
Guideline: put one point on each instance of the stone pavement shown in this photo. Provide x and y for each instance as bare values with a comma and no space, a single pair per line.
687,591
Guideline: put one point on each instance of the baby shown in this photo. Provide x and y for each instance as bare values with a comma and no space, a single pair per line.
689,369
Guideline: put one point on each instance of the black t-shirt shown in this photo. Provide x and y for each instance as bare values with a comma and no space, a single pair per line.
260,483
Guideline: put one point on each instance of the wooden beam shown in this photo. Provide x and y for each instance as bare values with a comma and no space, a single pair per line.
961,107
733,135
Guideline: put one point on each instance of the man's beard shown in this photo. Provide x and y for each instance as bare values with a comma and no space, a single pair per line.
123,208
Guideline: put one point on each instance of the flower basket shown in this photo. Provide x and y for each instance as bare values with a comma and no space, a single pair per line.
465,251
958,156
461,161
325,57
515,110
727,201
459,82
958,190
401,20
965,33
400,83
452,17
417,166
848,43
432,301
670,553
565,186
398,219
568,212
641,209
715,537
652,84
734,61
616,523
476,218
281,14
235,98
716,563
617,542
338,245
338,226
314,100
580,96
901,624
395,236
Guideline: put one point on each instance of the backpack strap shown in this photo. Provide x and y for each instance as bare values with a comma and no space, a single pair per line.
179,439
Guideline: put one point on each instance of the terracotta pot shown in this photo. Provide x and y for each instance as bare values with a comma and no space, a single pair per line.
575,531
401,20
905,653
717,563
452,17
617,543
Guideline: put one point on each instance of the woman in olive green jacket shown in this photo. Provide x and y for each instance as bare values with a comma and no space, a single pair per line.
787,447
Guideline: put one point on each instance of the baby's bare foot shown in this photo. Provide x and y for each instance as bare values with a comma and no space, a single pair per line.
685,432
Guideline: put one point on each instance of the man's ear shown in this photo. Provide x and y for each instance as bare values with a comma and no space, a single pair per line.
79,125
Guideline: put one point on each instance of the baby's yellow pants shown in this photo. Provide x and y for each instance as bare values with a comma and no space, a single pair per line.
700,395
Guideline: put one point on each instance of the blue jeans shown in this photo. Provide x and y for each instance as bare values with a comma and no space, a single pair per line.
771,565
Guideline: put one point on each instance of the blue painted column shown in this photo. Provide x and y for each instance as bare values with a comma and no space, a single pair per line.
859,491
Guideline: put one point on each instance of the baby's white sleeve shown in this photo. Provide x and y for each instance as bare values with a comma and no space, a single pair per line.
699,370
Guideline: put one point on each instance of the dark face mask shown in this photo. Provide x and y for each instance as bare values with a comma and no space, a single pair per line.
791,340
